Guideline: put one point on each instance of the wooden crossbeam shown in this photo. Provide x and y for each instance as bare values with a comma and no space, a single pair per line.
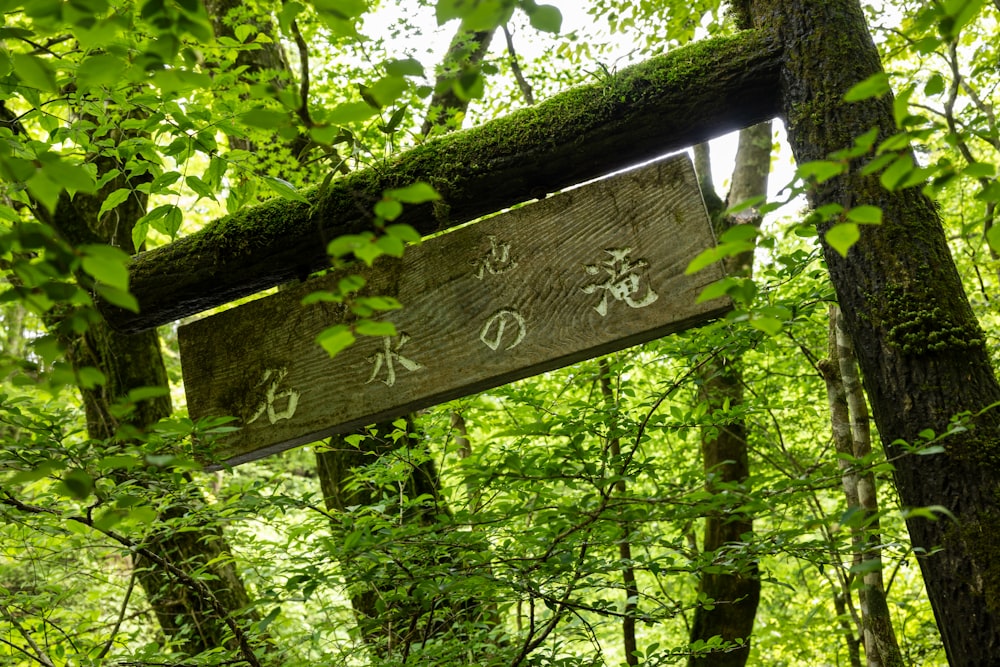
667,103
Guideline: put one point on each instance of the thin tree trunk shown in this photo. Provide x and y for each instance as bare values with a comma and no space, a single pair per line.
852,440
734,596
463,59
385,622
629,585
921,351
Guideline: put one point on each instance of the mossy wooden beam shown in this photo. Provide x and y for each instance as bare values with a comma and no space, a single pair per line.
666,103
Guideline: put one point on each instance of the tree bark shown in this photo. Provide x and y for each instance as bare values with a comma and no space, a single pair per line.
920,348
129,362
852,440
734,595
393,626
681,98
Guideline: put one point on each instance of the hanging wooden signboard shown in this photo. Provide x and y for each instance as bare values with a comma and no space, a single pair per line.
580,274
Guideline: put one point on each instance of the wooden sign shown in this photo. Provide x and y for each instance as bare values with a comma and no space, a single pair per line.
579,274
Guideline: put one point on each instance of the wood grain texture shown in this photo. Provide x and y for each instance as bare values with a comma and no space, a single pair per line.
583,273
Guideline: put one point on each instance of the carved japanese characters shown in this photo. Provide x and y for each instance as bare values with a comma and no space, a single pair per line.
578,274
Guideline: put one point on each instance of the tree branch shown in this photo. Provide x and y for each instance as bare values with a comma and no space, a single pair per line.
183,577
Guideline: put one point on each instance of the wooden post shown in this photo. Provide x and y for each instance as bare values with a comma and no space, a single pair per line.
580,274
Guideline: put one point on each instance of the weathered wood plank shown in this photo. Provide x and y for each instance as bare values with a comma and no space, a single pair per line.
579,274
668,103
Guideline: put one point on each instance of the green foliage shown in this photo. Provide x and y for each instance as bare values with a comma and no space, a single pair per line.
131,111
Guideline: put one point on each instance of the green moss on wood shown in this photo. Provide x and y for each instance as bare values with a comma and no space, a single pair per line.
447,161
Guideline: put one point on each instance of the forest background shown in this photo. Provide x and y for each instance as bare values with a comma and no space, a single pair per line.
654,506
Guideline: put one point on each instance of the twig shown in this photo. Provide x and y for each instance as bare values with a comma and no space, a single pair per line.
121,616
183,577
515,68
303,48
40,657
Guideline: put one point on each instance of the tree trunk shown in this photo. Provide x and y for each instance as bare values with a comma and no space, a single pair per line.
465,54
385,622
919,346
398,625
130,362
852,440
734,595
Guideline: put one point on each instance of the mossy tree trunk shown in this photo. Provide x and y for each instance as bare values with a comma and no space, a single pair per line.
918,343
734,595
130,362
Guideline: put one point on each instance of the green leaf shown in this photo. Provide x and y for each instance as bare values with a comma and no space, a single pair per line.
866,566
199,187
89,377
368,252
380,302
139,233
868,215
896,174
901,105
146,393
388,209
35,72
335,339
265,118
417,193
874,86
73,177
993,238
118,462
109,518
404,233
267,620
341,9
106,264
405,67
390,245
546,18
769,325
934,86
821,170
114,199
350,284
103,69
387,90
718,289
739,233
960,13
77,484
712,255
350,112
375,328
842,236
243,31
980,170
284,189
117,297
